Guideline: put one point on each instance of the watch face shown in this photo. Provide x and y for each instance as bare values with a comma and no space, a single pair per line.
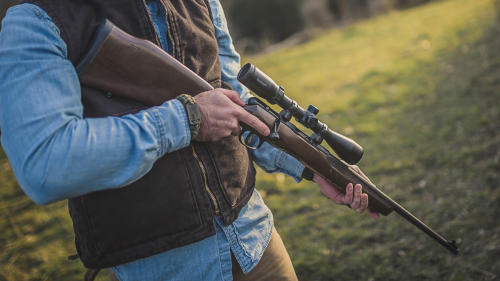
193,114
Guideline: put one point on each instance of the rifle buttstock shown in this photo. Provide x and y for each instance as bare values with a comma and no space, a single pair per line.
135,68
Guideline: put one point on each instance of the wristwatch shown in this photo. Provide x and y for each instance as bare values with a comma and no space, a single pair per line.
193,114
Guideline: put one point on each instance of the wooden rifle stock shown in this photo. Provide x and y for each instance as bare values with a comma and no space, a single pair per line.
137,69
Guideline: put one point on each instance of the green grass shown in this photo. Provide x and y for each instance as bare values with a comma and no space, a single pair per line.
420,91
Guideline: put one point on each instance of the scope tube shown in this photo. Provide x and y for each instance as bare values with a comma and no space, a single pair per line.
262,85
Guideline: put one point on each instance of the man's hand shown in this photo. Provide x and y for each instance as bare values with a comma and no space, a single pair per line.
353,196
221,111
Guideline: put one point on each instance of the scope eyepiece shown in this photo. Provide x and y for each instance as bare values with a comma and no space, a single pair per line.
260,83
246,73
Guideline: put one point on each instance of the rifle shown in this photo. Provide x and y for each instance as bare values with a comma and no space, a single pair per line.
137,69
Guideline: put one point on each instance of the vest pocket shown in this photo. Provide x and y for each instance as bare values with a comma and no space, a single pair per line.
235,170
157,205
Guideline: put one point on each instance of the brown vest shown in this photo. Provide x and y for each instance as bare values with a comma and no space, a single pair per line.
170,206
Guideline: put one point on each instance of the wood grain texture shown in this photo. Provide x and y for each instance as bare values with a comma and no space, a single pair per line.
137,69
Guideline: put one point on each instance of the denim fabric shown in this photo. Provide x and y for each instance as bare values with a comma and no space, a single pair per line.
210,259
55,153
159,16
229,58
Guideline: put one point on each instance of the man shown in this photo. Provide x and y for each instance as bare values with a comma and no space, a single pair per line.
151,196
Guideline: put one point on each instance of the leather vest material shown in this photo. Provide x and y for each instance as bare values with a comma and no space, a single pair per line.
169,207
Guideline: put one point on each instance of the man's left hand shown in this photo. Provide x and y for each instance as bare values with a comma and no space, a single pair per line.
352,197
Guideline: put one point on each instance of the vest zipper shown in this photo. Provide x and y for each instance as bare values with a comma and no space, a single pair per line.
168,28
152,24
216,206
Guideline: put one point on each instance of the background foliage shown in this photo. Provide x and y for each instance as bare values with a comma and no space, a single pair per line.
274,20
419,90
259,23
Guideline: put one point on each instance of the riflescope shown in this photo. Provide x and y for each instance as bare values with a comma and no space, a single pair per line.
262,85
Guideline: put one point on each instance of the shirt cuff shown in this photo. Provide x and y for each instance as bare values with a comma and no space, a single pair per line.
245,94
290,166
172,126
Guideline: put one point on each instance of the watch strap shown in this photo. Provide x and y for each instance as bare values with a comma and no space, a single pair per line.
193,114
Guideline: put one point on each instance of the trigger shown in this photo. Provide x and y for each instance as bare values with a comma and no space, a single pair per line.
252,141
248,140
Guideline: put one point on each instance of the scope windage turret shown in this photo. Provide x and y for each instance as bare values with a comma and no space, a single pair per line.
262,85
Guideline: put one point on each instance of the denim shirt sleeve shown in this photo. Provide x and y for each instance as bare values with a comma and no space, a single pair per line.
270,159
54,152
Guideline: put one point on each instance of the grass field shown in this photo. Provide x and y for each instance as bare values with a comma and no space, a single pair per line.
420,91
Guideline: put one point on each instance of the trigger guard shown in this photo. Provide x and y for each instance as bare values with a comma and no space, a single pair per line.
243,140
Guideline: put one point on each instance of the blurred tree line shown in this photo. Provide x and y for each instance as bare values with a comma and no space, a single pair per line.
256,24
275,20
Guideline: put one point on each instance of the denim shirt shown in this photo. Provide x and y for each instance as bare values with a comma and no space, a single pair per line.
56,154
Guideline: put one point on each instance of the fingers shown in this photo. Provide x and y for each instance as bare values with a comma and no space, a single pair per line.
353,196
348,194
363,204
254,122
356,201
364,198
233,96
244,116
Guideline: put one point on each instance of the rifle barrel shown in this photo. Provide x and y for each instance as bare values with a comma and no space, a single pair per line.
450,245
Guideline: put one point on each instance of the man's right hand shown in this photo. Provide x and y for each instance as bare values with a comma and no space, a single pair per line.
221,111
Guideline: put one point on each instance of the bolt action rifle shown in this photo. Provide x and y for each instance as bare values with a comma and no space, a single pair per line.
137,69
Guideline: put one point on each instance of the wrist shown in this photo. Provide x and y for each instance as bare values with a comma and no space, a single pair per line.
193,114
307,174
